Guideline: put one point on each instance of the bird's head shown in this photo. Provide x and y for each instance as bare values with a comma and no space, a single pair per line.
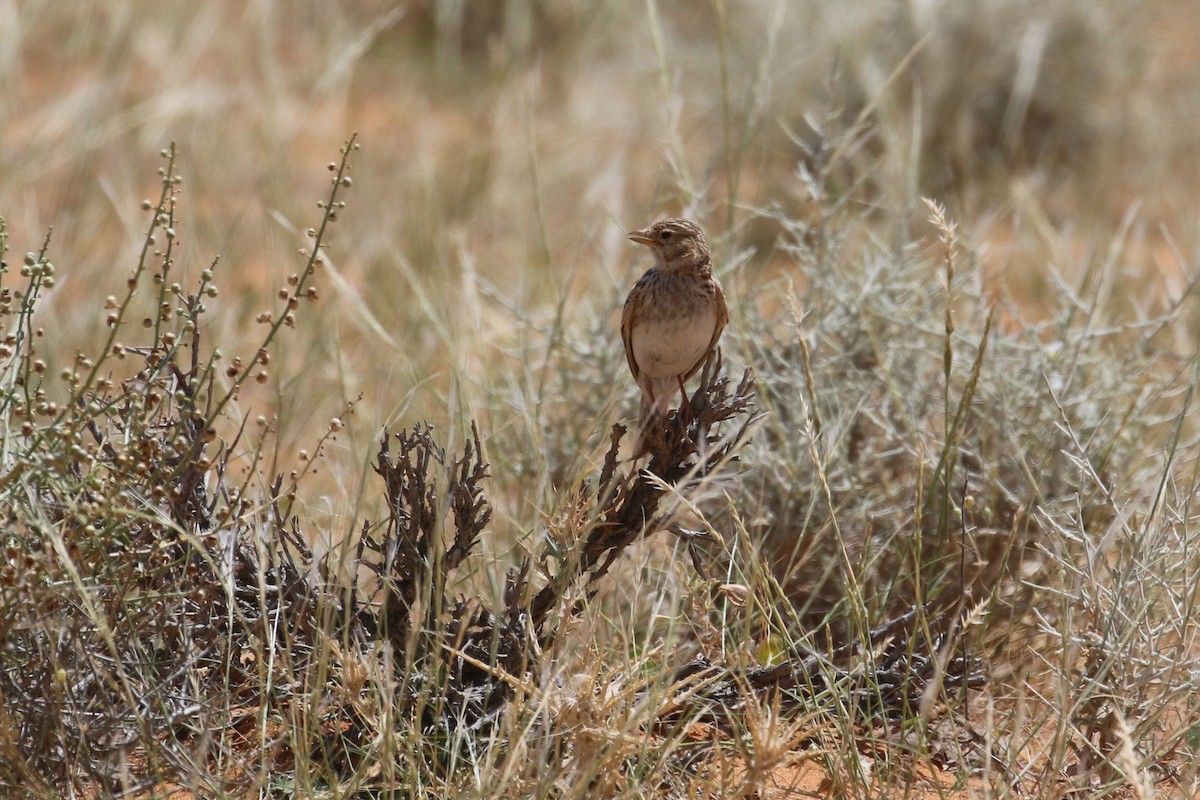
676,243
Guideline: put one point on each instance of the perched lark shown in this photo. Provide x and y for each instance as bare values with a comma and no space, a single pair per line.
673,316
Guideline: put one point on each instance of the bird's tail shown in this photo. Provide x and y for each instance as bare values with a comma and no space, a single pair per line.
646,420
651,412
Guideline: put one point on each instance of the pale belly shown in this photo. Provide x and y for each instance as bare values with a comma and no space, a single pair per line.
667,348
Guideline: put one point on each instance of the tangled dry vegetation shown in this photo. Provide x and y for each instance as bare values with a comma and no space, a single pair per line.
900,533
931,527
160,610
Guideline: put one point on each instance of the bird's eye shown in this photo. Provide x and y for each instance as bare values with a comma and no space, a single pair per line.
665,235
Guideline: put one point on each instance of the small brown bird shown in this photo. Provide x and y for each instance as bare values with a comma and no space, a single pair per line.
673,316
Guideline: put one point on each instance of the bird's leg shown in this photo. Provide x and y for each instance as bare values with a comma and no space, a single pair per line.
685,407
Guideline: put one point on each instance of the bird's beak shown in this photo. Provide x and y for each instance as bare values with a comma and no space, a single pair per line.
641,237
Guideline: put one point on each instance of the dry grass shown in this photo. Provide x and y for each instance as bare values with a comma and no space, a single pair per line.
971,455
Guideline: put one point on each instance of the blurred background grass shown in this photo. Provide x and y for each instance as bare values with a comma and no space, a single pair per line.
479,268
508,146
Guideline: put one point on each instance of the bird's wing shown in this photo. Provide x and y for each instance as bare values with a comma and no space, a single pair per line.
722,309
627,327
